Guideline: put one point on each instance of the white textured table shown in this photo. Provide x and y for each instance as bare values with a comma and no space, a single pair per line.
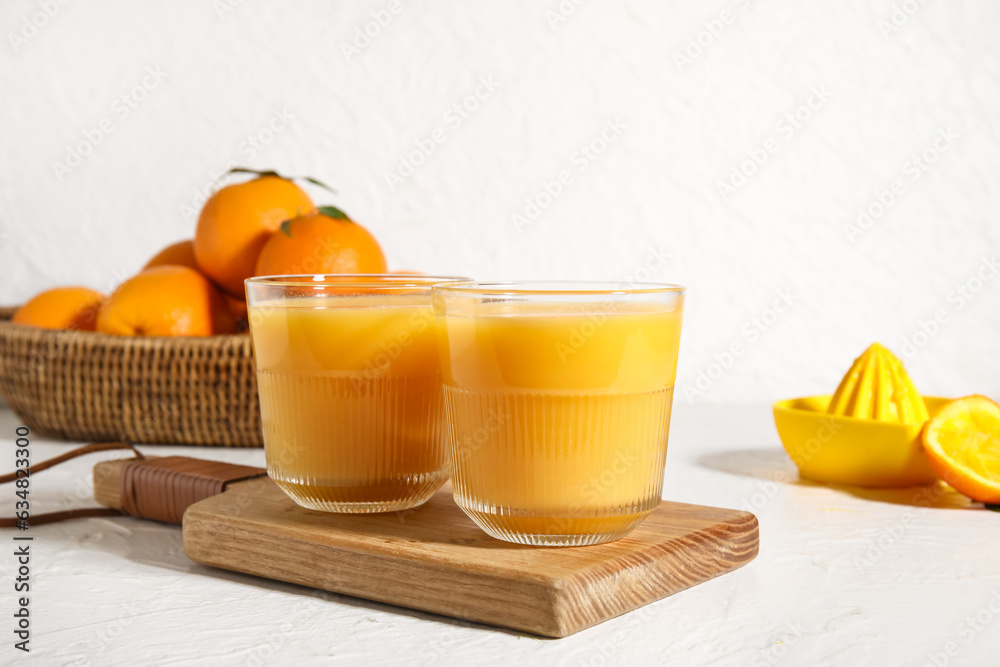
844,577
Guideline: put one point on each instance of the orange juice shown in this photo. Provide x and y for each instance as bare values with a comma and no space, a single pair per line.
558,414
350,400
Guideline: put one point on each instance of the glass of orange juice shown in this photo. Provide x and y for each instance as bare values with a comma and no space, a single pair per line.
349,381
558,399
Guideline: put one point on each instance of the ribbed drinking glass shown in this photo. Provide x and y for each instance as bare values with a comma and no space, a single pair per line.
558,398
349,382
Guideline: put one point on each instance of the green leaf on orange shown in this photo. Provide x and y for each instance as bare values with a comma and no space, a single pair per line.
260,173
333,212
316,181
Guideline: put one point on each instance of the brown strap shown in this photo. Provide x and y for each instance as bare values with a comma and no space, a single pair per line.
72,454
51,517
161,489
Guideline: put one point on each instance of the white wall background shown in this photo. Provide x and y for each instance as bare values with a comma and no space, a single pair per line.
898,74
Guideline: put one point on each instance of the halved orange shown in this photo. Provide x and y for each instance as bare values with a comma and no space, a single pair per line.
962,442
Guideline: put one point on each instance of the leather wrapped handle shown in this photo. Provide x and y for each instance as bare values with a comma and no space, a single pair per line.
109,480
161,489
150,488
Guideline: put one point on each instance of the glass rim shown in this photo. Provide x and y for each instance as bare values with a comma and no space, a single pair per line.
368,280
558,288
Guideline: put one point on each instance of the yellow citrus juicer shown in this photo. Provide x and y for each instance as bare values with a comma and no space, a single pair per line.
867,433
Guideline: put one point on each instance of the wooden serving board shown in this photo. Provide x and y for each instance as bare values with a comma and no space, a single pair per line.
434,558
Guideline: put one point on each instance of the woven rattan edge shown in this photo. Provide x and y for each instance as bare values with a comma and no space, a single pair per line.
88,386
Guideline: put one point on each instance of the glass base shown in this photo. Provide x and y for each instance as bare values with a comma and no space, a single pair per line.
555,531
391,496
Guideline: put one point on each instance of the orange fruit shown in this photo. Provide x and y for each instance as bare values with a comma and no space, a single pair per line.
323,241
182,254
238,307
166,301
62,308
178,254
237,221
962,442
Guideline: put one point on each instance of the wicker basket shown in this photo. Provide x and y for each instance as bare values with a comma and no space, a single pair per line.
91,386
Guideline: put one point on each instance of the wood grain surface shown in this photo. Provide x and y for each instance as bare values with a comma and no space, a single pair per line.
108,482
434,558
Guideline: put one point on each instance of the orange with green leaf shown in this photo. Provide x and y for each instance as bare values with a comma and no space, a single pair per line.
262,226
322,241
237,221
